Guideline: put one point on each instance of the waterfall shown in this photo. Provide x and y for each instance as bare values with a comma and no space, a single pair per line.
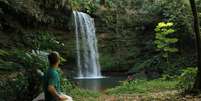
86,45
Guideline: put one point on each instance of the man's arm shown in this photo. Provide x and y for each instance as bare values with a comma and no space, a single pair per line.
54,93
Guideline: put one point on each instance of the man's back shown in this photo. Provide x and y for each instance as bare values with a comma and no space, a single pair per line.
52,77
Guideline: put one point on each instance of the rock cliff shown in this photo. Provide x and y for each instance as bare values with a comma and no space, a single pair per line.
20,16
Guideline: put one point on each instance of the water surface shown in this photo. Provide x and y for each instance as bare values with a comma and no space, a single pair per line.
100,84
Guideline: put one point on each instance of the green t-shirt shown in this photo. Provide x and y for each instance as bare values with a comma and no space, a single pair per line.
52,77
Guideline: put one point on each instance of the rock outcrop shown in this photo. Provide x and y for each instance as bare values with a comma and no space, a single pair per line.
19,16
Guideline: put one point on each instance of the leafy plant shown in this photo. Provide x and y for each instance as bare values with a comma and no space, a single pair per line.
26,81
66,85
78,94
163,40
186,79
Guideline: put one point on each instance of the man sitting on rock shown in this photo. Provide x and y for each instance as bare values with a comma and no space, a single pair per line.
52,86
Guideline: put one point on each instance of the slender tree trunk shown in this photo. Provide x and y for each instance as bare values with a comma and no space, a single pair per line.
102,2
197,84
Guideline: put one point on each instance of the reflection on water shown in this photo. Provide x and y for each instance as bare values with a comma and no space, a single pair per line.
99,84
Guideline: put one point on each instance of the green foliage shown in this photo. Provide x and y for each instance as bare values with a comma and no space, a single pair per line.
142,65
167,77
178,11
78,94
142,86
128,35
42,41
29,60
11,88
26,80
7,65
149,68
26,66
157,67
3,53
162,41
107,63
88,6
186,79
66,85
84,95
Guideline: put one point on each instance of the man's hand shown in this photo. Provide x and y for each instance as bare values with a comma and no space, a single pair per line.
62,98
53,91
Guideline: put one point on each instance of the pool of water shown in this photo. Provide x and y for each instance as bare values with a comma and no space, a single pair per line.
100,84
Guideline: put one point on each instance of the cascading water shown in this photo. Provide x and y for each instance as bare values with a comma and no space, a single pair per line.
86,45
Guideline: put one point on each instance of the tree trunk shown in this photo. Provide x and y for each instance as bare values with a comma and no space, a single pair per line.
102,2
197,84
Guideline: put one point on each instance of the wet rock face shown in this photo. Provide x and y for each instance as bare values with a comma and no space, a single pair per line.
20,15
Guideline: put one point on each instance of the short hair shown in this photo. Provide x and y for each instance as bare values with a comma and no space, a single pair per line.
130,73
53,57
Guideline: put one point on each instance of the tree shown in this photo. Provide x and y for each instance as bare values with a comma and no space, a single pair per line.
163,40
197,84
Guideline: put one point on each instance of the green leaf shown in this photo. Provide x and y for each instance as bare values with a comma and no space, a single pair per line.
169,49
171,40
165,55
4,52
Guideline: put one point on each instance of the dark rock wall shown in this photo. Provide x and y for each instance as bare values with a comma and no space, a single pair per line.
20,16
